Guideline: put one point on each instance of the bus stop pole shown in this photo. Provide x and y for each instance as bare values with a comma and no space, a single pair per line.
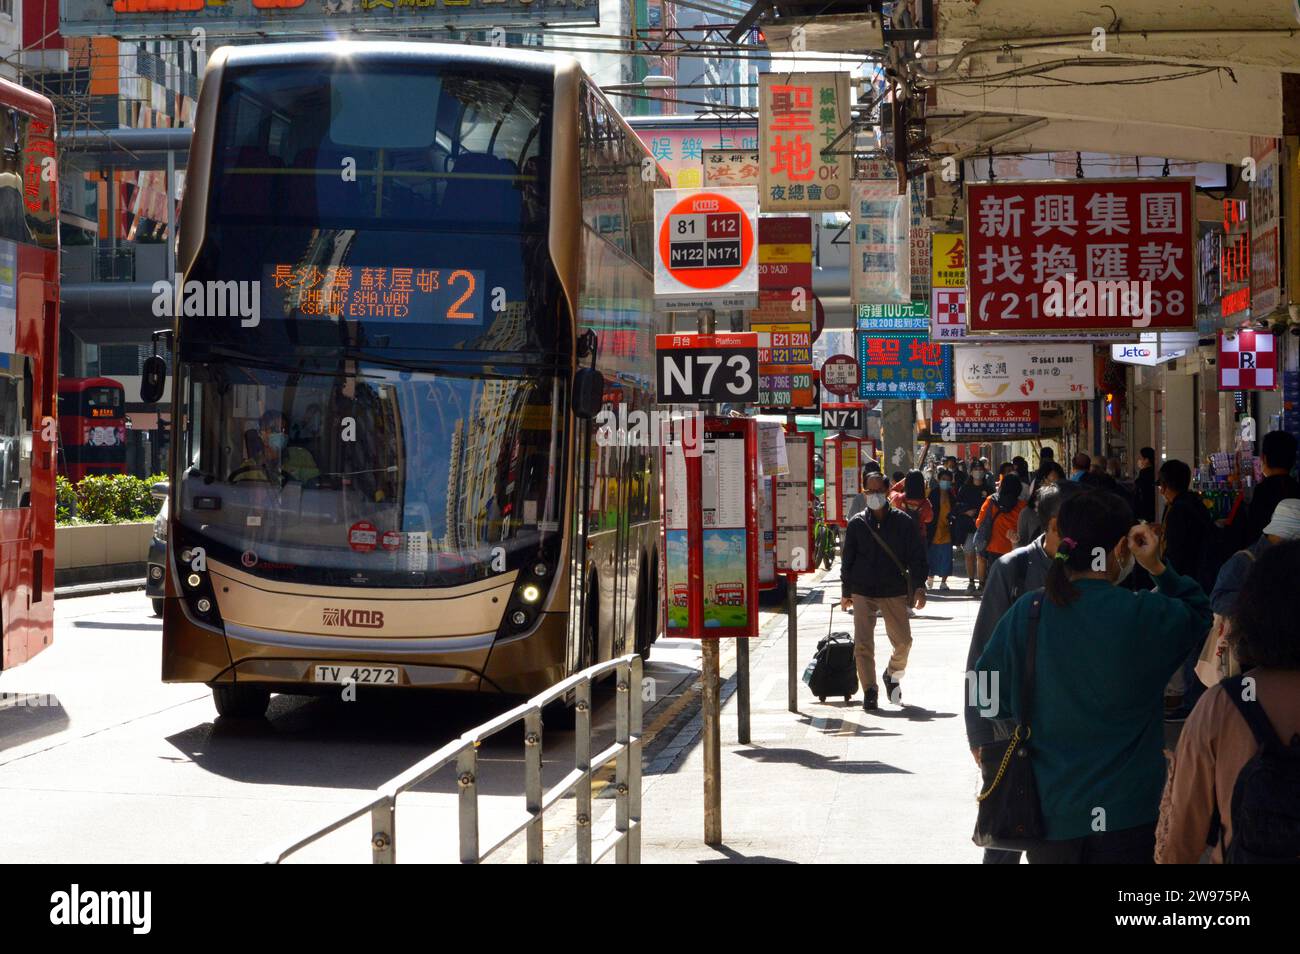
792,622
711,701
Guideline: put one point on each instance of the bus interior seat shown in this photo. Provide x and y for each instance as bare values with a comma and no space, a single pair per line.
250,193
496,198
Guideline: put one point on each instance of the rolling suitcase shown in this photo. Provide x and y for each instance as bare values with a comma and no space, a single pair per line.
832,671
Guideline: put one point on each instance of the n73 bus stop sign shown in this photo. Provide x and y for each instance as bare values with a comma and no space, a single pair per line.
705,254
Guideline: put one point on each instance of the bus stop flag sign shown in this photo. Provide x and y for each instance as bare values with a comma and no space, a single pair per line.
705,254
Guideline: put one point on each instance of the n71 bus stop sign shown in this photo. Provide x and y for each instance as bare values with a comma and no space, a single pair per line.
705,255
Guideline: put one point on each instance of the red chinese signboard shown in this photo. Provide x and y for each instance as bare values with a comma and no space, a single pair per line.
801,114
785,252
1247,361
984,421
1085,255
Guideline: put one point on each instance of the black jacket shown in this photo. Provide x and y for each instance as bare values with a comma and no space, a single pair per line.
867,570
1144,494
1187,524
1270,492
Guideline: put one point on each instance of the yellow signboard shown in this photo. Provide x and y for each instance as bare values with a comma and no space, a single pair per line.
948,263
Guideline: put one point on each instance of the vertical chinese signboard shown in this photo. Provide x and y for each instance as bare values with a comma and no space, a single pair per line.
800,114
948,287
903,367
785,253
1247,361
710,531
1234,259
879,268
794,511
1083,255
918,242
1265,246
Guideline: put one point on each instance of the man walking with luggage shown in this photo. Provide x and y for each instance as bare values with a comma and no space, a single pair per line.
883,567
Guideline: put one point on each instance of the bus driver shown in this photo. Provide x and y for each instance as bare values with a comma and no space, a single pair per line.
270,458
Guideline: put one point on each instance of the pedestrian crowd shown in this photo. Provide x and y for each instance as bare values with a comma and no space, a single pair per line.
1115,617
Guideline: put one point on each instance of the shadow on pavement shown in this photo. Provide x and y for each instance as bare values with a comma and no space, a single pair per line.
730,856
913,714
155,626
26,716
814,760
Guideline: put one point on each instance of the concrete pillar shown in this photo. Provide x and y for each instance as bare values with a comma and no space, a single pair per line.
1180,419
898,435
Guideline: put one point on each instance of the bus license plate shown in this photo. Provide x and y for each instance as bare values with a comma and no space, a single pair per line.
360,675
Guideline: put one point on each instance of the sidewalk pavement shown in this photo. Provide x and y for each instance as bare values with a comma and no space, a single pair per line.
831,783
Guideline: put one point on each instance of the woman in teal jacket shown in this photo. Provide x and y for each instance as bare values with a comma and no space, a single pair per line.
1104,657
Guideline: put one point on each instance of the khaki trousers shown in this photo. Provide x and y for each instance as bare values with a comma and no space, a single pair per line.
898,628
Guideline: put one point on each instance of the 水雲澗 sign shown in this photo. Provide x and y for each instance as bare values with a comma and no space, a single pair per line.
153,17
1047,372
1247,361
799,115
880,265
705,248
1084,255
903,367
706,369
984,421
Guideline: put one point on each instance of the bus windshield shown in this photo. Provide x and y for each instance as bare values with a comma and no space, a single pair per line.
387,207
370,475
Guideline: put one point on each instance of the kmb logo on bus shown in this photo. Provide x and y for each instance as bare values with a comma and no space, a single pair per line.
367,619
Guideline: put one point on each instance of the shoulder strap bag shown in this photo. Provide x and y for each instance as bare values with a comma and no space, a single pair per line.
889,553
1010,815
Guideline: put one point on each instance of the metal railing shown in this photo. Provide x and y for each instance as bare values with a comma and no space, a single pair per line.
625,752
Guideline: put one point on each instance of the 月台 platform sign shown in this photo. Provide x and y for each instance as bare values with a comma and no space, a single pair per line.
302,17
705,248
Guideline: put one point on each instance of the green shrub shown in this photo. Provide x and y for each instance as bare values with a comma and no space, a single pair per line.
111,498
65,499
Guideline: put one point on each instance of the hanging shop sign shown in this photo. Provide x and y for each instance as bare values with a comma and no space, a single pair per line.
785,253
948,281
678,143
984,421
704,254
903,367
710,535
948,314
1247,361
842,417
948,260
880,269
1155,348
1265,228
919,235
1049,372
301,17
1082,255
793,511
1234,260
840,375
912,316
706,369
729,167
799,116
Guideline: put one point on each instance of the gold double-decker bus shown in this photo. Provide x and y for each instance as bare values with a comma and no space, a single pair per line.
401,264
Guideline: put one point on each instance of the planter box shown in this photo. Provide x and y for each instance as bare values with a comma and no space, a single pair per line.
101,545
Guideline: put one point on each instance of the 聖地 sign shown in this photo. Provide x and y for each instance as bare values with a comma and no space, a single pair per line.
903,367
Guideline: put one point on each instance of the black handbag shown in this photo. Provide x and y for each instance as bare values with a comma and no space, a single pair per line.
1010,815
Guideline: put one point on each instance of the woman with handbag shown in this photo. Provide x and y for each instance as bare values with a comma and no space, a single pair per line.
1080,779
939,535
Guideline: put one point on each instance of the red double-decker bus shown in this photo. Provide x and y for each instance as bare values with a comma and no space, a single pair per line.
92,427
29,339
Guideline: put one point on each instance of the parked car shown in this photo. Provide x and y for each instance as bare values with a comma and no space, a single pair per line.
155,585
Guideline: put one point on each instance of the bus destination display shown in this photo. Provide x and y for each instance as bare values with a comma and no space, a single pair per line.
440,296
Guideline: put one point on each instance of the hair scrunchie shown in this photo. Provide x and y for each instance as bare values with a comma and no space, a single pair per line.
1065,548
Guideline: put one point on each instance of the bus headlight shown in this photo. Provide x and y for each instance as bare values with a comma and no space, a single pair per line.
530,593
204,605
193,581
540,569
519,618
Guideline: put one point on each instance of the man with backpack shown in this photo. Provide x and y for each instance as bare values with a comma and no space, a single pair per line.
882,568
1235,783
1010,577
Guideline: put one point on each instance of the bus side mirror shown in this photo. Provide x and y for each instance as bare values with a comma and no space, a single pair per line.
153,379
588,393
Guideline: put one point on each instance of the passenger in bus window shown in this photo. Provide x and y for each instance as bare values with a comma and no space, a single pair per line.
270,458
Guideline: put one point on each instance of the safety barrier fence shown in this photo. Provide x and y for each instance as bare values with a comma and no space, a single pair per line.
625,752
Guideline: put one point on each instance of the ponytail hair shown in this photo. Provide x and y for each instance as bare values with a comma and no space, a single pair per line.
1088,521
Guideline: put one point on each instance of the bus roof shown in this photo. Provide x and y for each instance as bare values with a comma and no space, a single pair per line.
80,384
269,54
11,94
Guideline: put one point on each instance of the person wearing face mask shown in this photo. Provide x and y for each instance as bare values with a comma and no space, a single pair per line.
996,523
1104,655
882,569
939,533
970,498
275,461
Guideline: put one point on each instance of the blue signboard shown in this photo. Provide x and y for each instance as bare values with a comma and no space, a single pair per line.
903,366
